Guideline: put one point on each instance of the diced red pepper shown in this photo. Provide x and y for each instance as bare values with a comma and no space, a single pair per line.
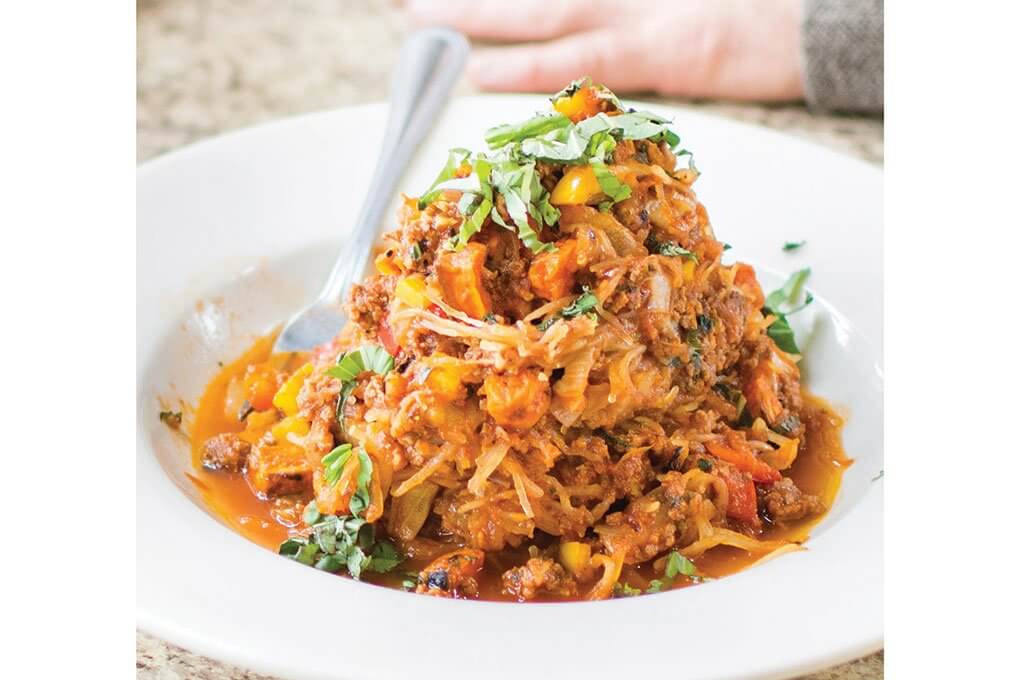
438,311
745,461
743,500
389,343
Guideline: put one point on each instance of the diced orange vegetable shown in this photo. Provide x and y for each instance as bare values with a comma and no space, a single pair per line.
745,460
260,384
552,273
518,399
411,291
578,186
445,382
460,278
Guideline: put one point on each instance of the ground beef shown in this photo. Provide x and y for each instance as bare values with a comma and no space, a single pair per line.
368,301
506,272
225,451
538,576
784,502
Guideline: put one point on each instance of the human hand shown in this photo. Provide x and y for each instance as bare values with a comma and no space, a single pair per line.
731,49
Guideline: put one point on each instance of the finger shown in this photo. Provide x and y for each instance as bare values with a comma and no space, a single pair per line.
608,58
520,20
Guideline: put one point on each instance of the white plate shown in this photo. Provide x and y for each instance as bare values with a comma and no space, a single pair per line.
236,232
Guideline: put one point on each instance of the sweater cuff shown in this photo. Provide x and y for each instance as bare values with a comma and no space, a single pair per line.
843,55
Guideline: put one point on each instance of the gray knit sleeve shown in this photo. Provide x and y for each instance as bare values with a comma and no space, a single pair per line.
842,52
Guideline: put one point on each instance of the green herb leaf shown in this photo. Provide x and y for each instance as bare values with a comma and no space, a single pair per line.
790,246
624,590
352,364
416,252
311,515
363,496
584,303
782,303
671,249
704,464
454,160
654,586
334,462
611,186
782,334
536,126
678,564
342,542
789,294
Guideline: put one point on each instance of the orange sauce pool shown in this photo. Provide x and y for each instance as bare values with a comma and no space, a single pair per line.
817,470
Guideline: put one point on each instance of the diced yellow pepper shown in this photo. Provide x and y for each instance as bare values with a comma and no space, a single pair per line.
384,265
688,269
295,424
575,556
573,105
285,398
411,291
578,186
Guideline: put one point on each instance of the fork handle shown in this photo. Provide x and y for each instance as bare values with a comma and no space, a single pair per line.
429,65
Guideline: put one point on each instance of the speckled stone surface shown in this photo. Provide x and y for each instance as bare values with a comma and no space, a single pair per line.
209,66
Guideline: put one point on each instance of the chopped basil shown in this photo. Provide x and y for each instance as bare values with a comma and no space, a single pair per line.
311,514
782,303
341,542
536,126
726,246
352,364
677,564
611,186
366,358
669,248
654,586
509,170
334,463
416,252
454,160
704,464
584,303
624,590
790,246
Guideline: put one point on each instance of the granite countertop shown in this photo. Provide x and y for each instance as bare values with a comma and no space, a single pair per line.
208,66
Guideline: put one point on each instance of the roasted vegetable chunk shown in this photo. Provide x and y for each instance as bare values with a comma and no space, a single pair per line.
225,451
538,576
453,574
278,470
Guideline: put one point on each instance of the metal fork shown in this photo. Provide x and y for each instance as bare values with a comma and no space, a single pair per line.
429,65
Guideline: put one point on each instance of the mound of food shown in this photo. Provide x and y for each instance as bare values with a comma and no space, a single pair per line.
551,381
